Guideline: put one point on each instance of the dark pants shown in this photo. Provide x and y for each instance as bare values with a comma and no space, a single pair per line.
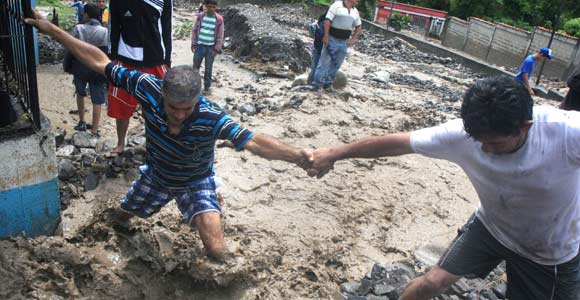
475,253
204,52
572,100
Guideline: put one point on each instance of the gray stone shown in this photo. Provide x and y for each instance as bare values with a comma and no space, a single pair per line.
380,76
500,290
488,294
88,151
382,289
91,181
66,150
350,287
66,169
366,286
87,160
100,146
137,140
59,136
119,161
375,297
340,80
83,139
301,80
248,109
356,297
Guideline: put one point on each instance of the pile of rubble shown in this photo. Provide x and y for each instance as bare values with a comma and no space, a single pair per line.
82,163
50,51
387,282
255,36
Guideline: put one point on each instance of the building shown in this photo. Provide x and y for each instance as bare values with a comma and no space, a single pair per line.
423,20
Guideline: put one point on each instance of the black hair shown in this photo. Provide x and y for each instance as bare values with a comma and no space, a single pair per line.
496,106
181,84
92,10
211,2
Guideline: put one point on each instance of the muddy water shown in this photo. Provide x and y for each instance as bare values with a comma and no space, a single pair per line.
294,237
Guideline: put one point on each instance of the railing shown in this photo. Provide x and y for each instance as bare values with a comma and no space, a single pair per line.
18,63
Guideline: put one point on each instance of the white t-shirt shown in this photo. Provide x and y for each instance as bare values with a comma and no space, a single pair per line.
342,20
530,199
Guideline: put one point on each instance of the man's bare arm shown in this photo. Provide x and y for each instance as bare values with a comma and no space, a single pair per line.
272,149
369,147
88,54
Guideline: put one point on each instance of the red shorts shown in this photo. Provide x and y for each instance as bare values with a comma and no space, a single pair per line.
121,104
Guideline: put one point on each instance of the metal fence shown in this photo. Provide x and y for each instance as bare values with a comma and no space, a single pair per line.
18,63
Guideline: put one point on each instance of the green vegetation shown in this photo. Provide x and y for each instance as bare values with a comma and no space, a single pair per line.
572,27
66,14
399,21
183,30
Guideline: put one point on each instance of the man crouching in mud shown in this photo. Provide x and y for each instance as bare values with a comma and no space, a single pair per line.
524,163
181,129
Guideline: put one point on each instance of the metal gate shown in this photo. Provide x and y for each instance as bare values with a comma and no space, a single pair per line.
17,58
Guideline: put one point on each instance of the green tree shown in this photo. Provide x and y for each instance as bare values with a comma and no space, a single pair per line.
367,8
572,27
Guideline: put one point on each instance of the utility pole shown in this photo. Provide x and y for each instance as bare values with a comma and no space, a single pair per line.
390,14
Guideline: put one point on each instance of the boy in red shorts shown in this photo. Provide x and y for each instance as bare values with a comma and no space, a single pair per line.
140,40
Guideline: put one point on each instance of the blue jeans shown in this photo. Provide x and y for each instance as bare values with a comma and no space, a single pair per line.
314,65
330,61
201,52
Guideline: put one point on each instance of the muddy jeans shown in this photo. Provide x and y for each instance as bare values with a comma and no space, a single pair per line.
330,61
204,52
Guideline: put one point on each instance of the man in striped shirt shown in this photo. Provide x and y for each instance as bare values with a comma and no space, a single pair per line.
181,129
207,39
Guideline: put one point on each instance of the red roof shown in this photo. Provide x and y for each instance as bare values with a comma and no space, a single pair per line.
411,9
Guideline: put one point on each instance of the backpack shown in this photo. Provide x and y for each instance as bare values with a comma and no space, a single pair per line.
317,31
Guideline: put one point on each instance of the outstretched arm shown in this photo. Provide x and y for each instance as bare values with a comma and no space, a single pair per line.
88,54
369,147
272,149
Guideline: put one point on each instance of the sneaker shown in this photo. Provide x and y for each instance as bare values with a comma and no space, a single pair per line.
328,88
81,126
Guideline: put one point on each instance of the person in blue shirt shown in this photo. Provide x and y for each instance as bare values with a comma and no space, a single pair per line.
79,5
181,130
527,67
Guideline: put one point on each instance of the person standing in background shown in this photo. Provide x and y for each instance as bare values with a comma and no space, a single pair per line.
140,34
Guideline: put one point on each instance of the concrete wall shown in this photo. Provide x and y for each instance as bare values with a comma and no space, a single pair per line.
29,196
509,46
564,50
479,39
455,33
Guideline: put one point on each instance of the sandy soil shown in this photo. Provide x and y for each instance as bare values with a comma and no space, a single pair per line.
295,237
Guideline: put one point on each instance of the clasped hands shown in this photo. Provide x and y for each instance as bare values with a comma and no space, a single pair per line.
316,163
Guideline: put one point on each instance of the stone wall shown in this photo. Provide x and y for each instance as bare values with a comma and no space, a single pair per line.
479,38
456,32
507,46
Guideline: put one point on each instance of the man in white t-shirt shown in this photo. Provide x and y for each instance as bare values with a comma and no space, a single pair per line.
524,163
341,19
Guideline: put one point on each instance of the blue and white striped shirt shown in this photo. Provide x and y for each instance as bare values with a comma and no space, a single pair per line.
177,161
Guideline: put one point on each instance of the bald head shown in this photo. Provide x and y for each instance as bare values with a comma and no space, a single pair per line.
181,84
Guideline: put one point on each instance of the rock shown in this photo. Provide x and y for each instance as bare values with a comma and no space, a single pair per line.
301,80
88,151
374,297
255,36
100,146
500,290
340,80
356,297
380,76
119,161
295,101
247,109
91,181
87,160
488,294
66,169
66,150
59,136
350,287
84,139
136,140
382,289
366,286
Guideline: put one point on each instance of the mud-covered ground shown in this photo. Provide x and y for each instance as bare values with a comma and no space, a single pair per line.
294,237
